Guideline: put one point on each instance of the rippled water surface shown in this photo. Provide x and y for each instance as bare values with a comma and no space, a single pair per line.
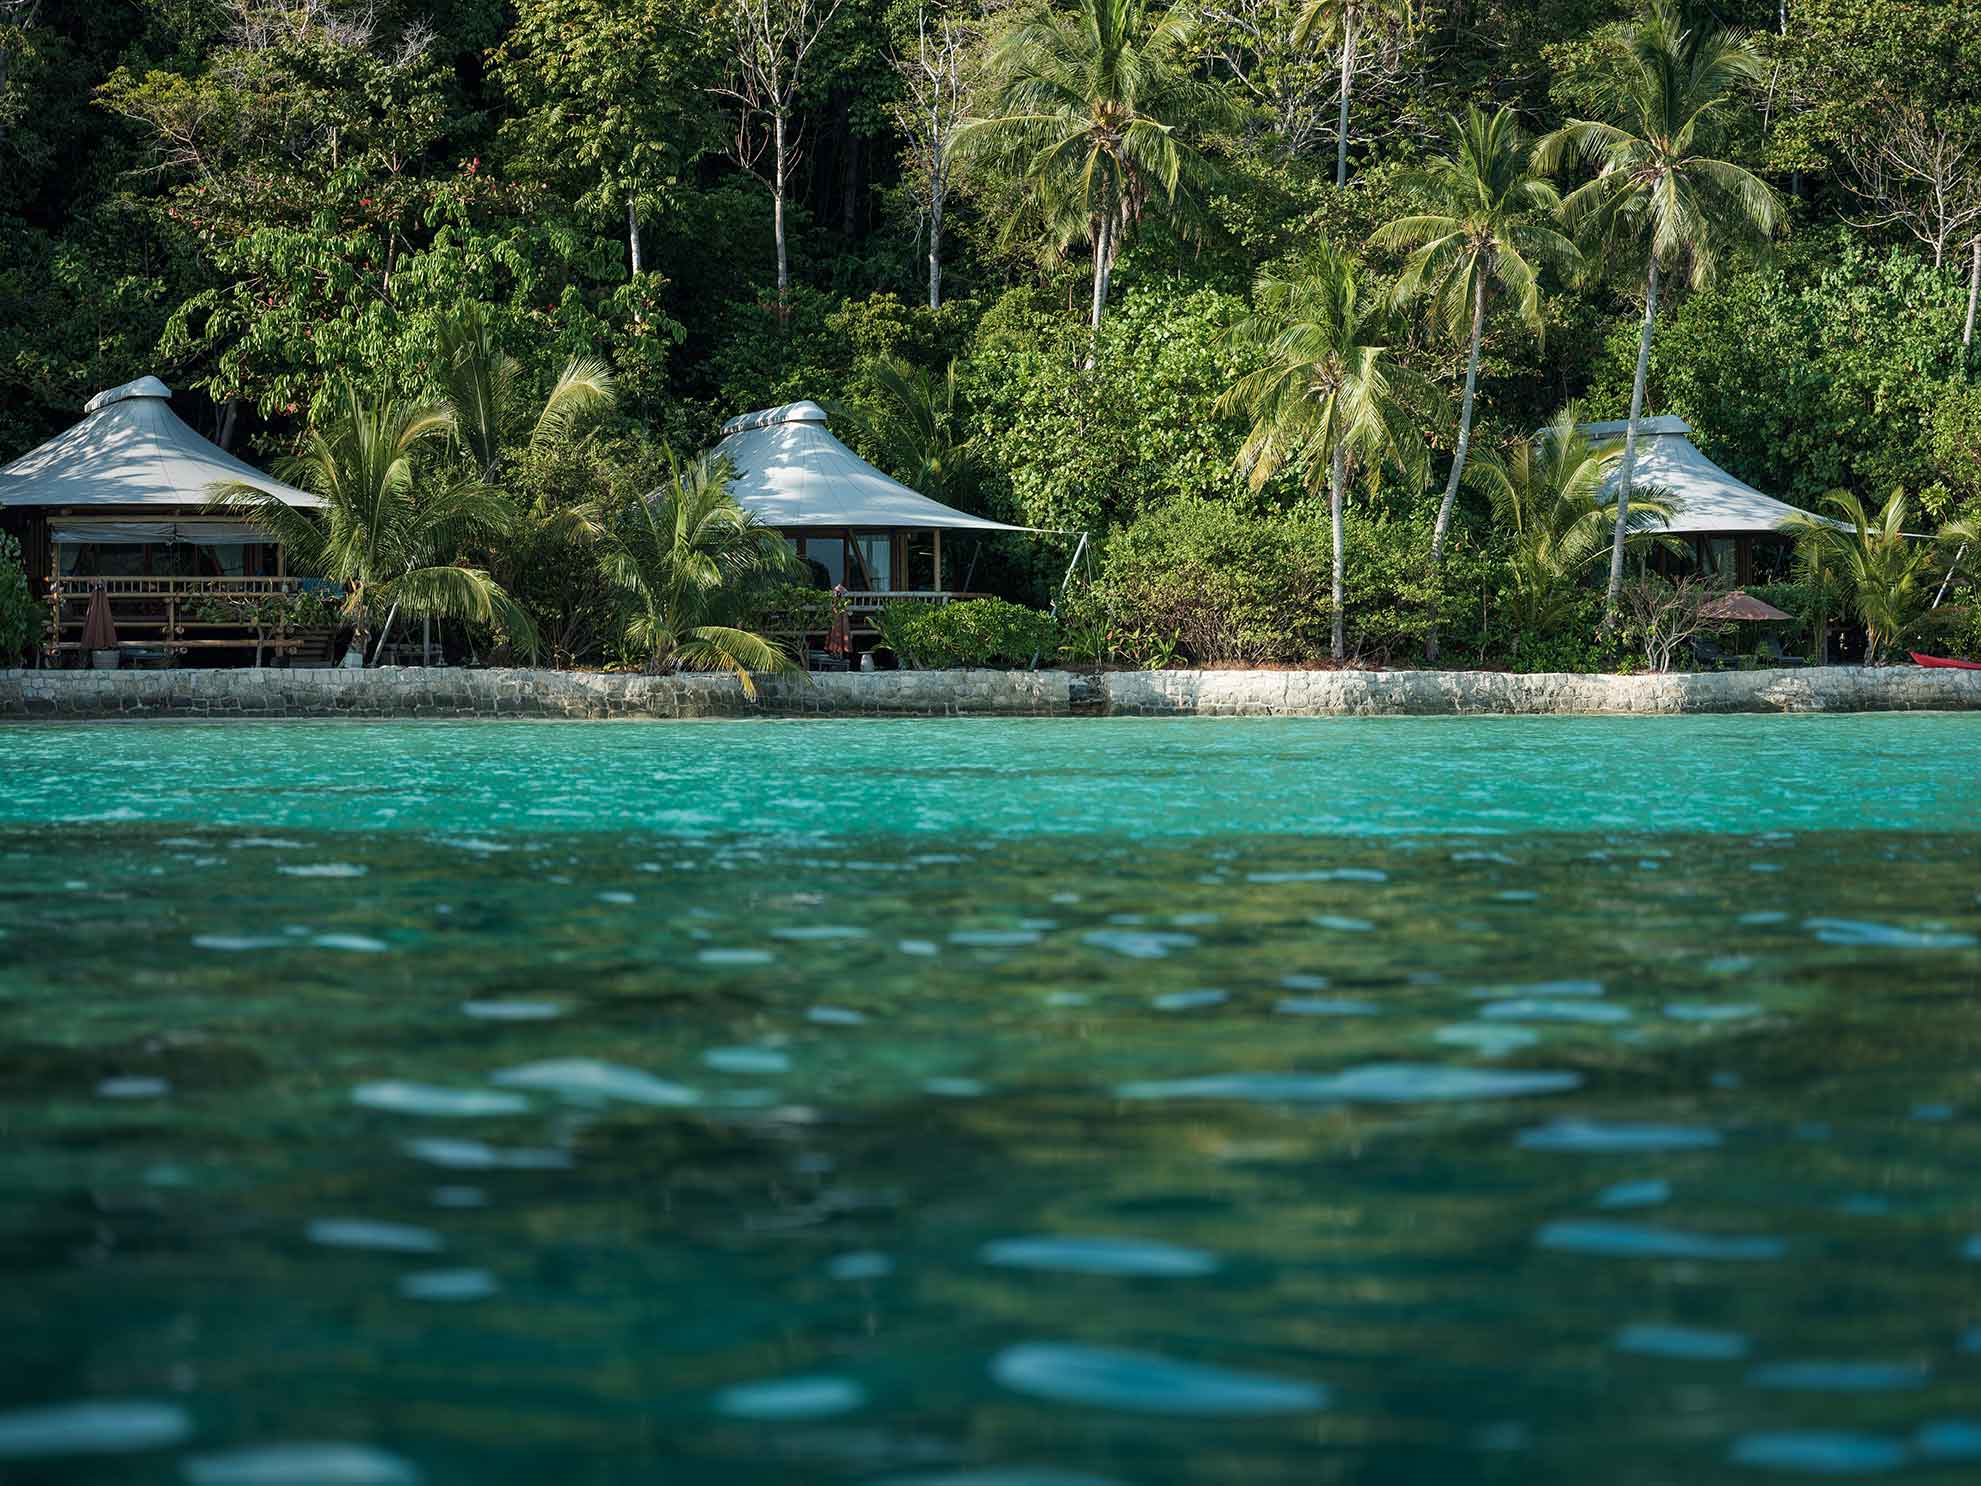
991,1104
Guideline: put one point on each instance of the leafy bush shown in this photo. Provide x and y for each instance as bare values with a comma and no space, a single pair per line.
788,609
296,611
1084,447
20,616
971,633
1583,651
1955,627
1215,583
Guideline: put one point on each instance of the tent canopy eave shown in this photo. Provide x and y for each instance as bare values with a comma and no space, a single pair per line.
791,473
1706,500
132,451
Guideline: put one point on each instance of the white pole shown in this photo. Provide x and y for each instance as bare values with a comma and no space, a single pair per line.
1951,568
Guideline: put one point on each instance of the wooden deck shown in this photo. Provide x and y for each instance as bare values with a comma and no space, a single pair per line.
155,617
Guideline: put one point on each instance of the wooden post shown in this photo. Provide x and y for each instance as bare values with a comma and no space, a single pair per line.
937,585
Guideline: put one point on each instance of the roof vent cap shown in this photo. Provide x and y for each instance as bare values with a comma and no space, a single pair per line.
142,387
791,412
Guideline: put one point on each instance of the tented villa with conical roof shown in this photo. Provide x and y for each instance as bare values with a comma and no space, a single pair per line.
124,500
1735,530
854,526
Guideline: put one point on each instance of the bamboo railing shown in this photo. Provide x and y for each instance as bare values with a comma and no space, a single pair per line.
156,614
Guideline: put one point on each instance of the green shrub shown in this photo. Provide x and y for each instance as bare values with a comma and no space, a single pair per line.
1955,627
789,609
20,615
296,610
1215,583
971,633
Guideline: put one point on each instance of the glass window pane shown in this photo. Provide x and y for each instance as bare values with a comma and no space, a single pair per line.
830,554
877,557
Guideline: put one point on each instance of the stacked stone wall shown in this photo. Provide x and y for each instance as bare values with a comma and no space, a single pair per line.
419,692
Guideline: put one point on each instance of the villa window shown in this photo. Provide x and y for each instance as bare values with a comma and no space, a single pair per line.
875,559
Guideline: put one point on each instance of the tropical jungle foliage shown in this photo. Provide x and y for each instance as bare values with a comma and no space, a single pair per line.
1259,295
20,616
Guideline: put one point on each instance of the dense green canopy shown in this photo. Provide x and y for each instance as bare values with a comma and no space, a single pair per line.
265,201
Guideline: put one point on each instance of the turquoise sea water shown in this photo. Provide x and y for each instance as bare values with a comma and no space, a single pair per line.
991,1103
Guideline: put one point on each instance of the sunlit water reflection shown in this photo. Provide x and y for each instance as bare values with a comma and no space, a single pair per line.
994,1103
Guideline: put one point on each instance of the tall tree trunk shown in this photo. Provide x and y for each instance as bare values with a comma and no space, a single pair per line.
777,212
1629,466
229,416
1337,481
1347,82
1103,271
1443,527
385,633
935,255
633,236
1973,294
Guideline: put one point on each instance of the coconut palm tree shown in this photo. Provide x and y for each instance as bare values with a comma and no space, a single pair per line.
1659,191
483,394
390,529
1092,106
918,430
1548,495
1329,397
1331,23
1479,231
1887,575
493,419
682,560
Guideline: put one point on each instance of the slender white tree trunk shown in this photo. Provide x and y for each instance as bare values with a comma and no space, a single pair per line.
1629,465
1443,527
935,254
1337,483
1347,82
777,210
385,633
633,236
1973,293
1103,269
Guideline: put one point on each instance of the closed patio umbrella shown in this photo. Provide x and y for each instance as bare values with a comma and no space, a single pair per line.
839,638
99,632
1737,605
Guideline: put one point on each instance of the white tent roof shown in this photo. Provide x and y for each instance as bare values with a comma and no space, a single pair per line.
131,450
1705,498
791,472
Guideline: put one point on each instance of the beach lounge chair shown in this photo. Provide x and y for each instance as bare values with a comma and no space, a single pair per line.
1771,653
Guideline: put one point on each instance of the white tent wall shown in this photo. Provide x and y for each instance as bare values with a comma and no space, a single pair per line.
792,473
1707,499
131,449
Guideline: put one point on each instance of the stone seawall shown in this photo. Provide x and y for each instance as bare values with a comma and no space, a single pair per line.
416,692
1451,693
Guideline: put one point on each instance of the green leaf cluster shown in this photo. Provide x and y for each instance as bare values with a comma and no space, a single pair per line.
970,634
20,615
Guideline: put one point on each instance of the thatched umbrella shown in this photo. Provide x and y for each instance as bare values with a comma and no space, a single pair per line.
1742,606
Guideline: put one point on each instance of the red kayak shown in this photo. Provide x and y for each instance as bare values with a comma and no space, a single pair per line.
1941,663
